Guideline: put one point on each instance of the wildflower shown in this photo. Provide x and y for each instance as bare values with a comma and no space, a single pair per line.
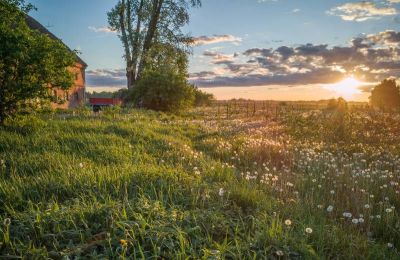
360,220
354,220
388,210
7,222
330,208
221,192
123,243
309,230
332,192
347,215
288,222
81,165
390,245
366,206
279,253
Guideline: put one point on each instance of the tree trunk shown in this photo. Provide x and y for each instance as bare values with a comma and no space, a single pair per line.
125,41
155,16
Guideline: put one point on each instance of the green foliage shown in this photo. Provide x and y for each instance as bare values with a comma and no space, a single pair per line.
202,98
386,95
151,34
163,91
30,62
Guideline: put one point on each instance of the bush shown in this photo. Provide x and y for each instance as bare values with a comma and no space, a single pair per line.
163,91
202,98
337,105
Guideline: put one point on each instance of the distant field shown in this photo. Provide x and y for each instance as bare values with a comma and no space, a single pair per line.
298,183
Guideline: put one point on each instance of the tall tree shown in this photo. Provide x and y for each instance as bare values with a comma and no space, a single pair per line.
147,24
30,62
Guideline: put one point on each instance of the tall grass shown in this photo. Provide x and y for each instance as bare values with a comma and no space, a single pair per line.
146,185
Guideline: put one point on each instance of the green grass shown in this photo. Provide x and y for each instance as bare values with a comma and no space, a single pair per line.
148,185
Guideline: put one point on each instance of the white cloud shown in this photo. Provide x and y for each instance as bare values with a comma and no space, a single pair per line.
101,29
362,11
205,40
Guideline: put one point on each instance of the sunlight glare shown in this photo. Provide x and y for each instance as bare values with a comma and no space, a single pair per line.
347,88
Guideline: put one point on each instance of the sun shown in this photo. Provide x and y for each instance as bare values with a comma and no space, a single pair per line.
346,88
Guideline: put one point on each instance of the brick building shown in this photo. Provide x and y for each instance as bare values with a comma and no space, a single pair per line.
75,96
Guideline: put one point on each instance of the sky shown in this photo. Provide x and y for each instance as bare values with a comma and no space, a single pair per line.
258,49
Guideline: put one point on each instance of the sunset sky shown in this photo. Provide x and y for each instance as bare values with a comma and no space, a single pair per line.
259,49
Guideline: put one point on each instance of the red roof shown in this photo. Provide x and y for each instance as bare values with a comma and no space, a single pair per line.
105,101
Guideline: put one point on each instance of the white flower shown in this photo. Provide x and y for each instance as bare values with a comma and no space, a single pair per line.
6,222
366,206
390,245
288,222
330,208
309,230
360,220
388,210
332,192
221,192
81,165
354,220
279,253
347,215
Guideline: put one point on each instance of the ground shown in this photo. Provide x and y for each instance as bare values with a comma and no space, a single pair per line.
136,184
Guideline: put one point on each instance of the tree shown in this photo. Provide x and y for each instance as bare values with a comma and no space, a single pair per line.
31,63
386,95
147,27
163,90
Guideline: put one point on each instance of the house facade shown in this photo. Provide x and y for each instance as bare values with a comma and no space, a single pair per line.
75,96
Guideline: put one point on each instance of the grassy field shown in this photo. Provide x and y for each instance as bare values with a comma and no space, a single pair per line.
309,185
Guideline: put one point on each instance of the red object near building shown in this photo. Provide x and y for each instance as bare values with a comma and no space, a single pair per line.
105,101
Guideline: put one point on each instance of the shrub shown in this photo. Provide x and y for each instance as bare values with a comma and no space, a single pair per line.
337,105
202,98
163,91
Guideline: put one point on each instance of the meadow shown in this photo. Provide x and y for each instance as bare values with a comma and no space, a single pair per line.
274,184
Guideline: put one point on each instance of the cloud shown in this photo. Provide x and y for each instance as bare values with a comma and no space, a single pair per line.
370,57
361,11
101,29
106,78
205,40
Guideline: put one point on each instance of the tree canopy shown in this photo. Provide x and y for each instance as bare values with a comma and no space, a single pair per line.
386,95
30,62
150,31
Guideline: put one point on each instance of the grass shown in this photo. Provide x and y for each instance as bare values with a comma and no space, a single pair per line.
141,184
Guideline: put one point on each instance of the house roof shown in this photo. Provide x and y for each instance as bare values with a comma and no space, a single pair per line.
35,25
